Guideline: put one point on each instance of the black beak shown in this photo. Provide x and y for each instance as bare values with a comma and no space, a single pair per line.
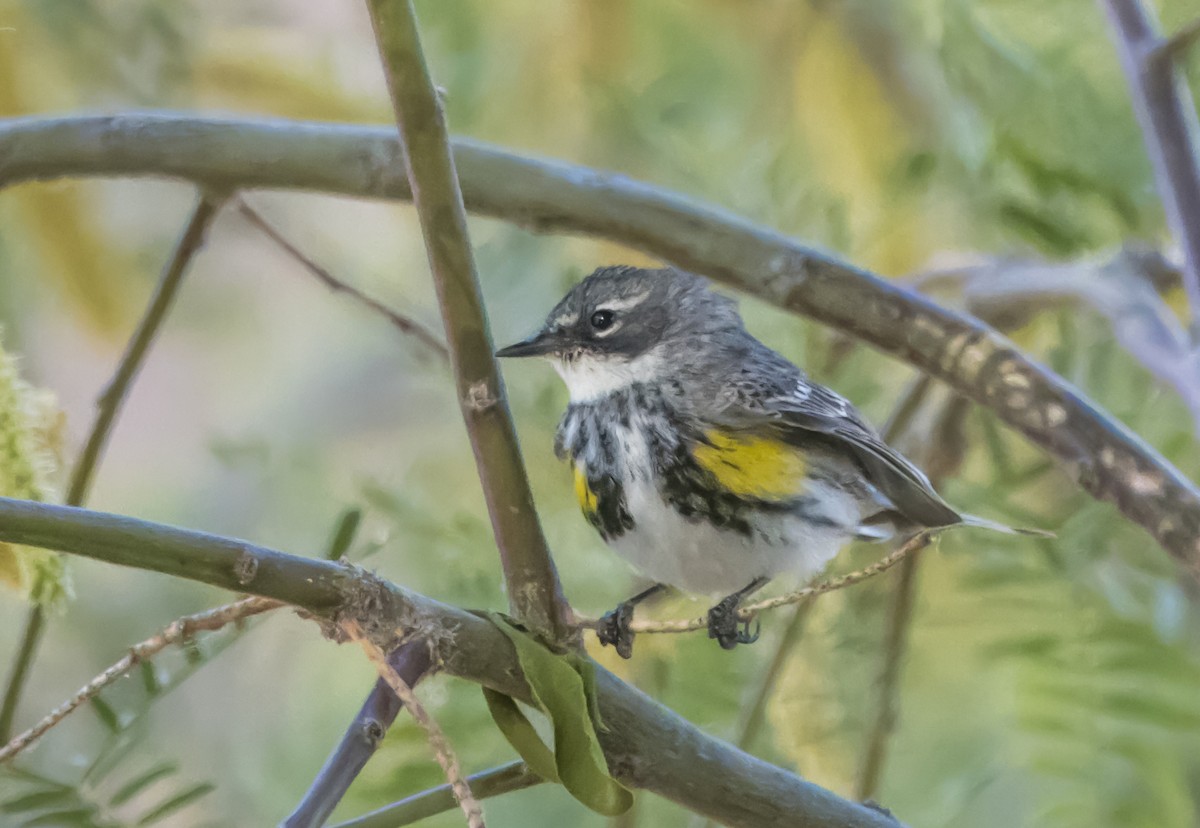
541,343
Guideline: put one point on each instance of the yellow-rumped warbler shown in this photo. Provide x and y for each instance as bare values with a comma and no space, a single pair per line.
706,459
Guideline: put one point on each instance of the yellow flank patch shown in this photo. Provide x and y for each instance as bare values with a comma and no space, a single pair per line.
584,494
756,467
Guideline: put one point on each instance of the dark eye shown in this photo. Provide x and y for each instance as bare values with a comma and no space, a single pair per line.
602,319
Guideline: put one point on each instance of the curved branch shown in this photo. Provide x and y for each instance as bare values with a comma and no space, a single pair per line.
1105,458
647,745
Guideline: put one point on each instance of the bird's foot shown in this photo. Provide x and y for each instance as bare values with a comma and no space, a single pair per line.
614,628
723,624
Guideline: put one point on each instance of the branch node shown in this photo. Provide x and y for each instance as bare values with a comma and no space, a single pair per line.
246,567
479,397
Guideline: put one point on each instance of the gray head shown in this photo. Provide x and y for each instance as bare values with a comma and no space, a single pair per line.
626,324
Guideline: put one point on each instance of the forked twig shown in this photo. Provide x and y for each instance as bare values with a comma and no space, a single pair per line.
179,630
437,739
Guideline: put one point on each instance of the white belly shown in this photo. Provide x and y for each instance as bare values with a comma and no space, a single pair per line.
698,557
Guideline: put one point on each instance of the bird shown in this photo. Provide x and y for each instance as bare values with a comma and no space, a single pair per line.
707,460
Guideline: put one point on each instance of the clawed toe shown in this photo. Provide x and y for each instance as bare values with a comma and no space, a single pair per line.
614,629
723,626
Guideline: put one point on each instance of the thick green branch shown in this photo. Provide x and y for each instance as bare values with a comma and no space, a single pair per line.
534,592
1104,457
647,745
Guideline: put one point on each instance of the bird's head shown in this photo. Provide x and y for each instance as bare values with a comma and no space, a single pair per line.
624,325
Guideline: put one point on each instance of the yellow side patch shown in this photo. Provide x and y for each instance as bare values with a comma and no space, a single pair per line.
585,496
756,467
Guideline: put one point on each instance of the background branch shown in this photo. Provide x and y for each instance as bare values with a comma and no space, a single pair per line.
1169,125
514,776
360,741
108,406
1103,456
534,593
697,771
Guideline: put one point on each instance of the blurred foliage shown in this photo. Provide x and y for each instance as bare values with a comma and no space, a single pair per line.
30,442
1049,683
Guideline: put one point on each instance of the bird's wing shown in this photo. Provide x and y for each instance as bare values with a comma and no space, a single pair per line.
786,403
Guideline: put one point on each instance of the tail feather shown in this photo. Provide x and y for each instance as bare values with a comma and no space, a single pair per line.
984,523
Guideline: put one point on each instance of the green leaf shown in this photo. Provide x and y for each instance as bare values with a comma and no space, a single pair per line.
519,732
71,816
37,799
564,688
343,535
176,803
106,714
135,786
149,678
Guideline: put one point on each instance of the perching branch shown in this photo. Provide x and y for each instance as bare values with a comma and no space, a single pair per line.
1102,455
534,592
748,612
178,631
108,406
699,772
1169,125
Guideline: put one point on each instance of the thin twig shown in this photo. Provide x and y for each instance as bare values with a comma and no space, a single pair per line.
108,406
179,630
514,776
405,324
437,739
748,612
534,592
1170,129
1177,45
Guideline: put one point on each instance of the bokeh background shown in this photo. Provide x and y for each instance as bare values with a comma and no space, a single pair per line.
1048,683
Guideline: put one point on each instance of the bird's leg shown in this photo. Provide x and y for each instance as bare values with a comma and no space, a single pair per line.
723,618
613,627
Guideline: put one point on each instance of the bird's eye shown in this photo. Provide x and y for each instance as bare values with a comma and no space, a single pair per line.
602,320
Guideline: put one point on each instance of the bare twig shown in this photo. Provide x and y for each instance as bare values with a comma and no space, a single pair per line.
514,776
747,613
1170,129
1175,47
178,631
405,324
411,661
108,406
534,592
437,739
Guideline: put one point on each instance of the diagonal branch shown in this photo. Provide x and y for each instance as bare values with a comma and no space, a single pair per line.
699,772
1103,456
108,406
1170,129
534,592
360,741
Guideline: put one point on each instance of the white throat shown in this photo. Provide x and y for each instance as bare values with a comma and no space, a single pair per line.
591,378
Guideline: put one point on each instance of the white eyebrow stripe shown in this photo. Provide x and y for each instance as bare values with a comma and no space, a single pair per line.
626,303
565,320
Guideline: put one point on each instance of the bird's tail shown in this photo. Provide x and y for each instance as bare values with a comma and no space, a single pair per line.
984,523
